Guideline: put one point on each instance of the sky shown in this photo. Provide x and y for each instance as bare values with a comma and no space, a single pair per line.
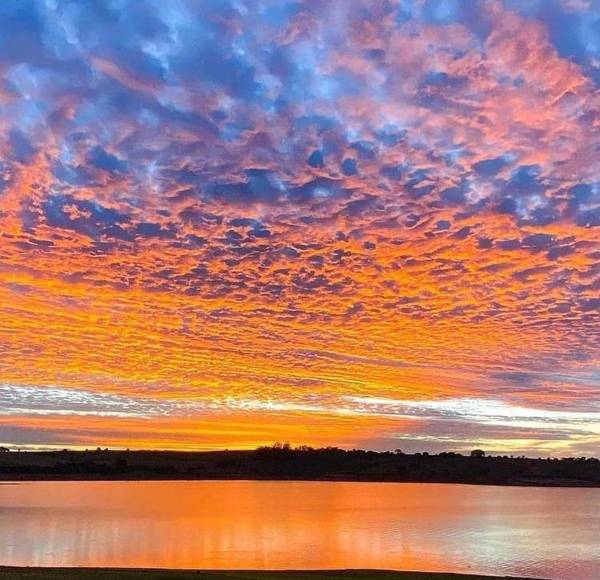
370,224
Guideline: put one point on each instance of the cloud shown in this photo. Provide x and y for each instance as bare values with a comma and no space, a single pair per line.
486,411
27,400
192,198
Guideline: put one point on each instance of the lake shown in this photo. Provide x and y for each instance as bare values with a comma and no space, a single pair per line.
544,532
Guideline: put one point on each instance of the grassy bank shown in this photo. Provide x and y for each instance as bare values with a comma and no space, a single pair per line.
120,574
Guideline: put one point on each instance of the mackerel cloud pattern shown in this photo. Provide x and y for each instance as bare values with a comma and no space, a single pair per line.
361,223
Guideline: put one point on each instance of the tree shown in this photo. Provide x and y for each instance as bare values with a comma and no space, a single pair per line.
477,453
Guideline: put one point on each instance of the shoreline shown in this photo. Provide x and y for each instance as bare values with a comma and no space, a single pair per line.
301,464
7,479
76,573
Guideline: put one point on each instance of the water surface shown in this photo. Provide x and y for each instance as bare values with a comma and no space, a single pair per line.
551,533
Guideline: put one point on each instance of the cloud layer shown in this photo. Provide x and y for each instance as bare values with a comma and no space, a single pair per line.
244,215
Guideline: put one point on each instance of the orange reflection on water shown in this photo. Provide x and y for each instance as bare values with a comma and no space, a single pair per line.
270,525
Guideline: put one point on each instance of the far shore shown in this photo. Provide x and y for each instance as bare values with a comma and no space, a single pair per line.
83,478
281,463
9,573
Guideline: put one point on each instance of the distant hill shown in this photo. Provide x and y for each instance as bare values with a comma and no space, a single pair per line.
281,462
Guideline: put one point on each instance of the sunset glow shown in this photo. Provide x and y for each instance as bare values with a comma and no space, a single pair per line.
362,223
